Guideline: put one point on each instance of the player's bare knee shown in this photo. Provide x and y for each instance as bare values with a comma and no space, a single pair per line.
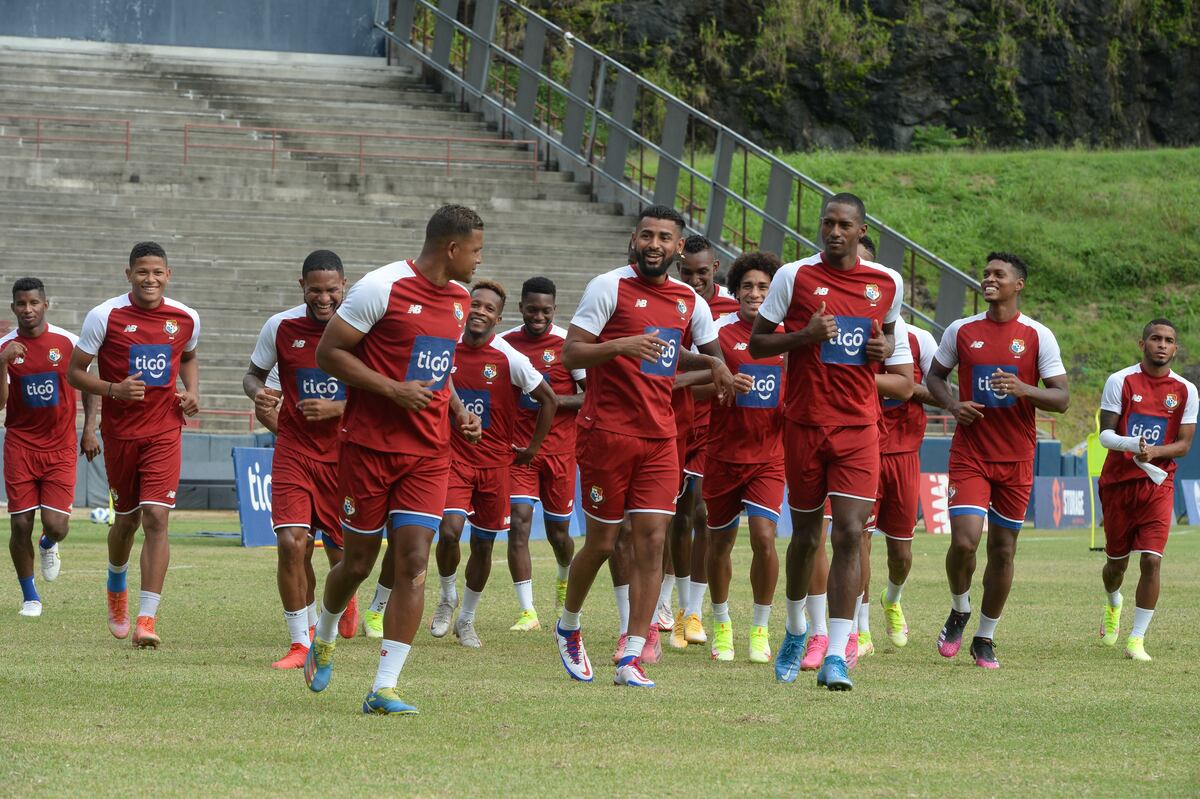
1150,564
55,525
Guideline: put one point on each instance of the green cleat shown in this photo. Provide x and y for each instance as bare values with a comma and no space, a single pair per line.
386,702
893,620
372,621
760,645
722,648
560,594
1135,649
526,622
865,646
1110,628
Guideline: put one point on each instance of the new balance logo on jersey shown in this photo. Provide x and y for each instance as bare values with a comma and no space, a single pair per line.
153,361
40,390
431,359
668,360
640,304
741,345
298,344
764,391
976,345
1137,397
982,390
414,309
821,291
130,328
849,347
1151,428
315,384
478,403
170,495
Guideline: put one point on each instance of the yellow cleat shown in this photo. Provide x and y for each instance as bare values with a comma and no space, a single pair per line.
893,621
560,594
722,648
865,646
760,645
526,622
1110,628
694,632
1135,649
678,638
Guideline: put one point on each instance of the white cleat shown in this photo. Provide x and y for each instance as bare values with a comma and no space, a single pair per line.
633,675
663,618
439,625
464,631
31,609
51,563
574,656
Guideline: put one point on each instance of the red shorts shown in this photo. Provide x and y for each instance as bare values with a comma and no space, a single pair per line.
830,460
899,495
620,473
482,493
998,490
730,486
304,493
410,489
143,471
35,478
550,479
1137,517
696,453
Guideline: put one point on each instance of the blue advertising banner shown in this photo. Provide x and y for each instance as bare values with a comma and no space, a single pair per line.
252,480
1062,503
1191,499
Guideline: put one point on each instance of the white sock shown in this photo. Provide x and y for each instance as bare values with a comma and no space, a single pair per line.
854,616
313,613
864,616
449,589
796,625
839,636
568,621
621,592
297,625
634,645
664,593
1114,598
893,592
961,602
987,626
470,603
392,655
1141,621
816,614
524,591
327,624
148,603
563,571
721,612
696,602
683,587
379,603
762,615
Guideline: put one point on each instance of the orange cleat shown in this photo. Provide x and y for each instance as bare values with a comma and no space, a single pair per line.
144,635
118,613
294,659
348,624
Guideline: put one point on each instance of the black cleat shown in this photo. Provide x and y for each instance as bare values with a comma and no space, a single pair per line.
950,638
984,652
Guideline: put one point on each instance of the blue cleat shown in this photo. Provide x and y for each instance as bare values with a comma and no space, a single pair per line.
787,662
833,674
318,666
386,702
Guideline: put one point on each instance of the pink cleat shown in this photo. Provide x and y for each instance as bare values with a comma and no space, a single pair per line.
652,651
852,651
814,656
620,650
950,638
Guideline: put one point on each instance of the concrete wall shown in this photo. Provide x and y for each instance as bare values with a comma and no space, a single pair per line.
340,27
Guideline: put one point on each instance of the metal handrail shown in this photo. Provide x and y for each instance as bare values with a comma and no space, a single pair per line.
38,136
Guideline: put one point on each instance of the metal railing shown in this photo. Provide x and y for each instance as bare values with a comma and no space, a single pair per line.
638,144
282,141
13,129
943,425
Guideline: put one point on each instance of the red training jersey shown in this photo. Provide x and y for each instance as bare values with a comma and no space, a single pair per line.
490,381
1147,406
750,430
545,353
831,383
979,346
722,304
905,421
410,328
628,395
288,342
41,403
126,339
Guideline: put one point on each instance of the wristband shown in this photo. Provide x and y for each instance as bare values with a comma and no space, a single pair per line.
110,387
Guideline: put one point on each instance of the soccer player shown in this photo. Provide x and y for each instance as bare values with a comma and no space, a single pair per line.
1147,421
39,443
490,377
144,343
838,314
391,342
745,463
304,472
1001,356
550,477
628,332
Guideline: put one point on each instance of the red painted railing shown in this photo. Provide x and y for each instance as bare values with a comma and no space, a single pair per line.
41,122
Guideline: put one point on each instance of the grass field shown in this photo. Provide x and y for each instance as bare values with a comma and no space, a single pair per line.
86,714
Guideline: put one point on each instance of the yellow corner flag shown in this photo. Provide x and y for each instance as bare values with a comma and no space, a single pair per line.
1096,455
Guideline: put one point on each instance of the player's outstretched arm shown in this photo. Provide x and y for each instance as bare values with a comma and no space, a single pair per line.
583,350
549,406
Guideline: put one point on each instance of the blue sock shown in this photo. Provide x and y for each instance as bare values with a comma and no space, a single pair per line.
28,592
46,542
116,580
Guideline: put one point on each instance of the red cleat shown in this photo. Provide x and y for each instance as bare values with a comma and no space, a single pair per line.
619,652
294,659
348,624
143,635
118,613
652,651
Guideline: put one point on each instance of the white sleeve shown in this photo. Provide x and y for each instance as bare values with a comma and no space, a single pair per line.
195,339
779,298
893,313
947,351
265,355
1110,400
520,370
578,374
365,303
902,354
272,381
928,346
597,305
1110,439
703,330
1191,406
95,326
1049,358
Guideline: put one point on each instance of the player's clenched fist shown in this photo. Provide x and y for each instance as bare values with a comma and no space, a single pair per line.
878,346
12,352
471,426
189,402
967,412
822,326
413,395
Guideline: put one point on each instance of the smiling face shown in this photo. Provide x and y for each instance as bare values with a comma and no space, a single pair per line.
1001,282
1159,345
30,309
841,228
465,255
697,270
486,307
323,290
148,279
656,245
751,290
537,313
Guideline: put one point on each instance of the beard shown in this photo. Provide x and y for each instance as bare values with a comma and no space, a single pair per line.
654,271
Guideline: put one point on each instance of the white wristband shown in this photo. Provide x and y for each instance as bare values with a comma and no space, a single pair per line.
1110,440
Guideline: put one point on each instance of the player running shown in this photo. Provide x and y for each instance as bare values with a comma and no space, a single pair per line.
39,443
745,463
143,342
391,342
1001,355
1147,421
550,477
491,378
839,314
628,332
304,491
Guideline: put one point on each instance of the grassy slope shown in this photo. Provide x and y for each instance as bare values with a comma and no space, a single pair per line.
86,714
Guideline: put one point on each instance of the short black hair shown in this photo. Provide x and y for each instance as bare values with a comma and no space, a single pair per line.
767,262
538,285
322,261
146,248
452,222
28,284
662,212
846,198
869,245
1012,260
1159,321
695,244
493,286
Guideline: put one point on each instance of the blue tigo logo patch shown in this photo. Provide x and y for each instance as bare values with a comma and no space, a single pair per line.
40,390
1152,428
888,403
529,403
478,403
765,392
153,361
315,384
850,346
431,359
981,387
669,360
